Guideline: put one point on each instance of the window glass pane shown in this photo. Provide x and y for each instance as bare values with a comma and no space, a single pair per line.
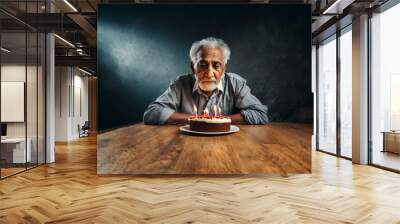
41,98
346,94
22,89
32,85
385,87
327,96
31,97
14,153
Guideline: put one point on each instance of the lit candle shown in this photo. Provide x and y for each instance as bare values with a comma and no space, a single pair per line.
215,111
206,112
219,111
195,110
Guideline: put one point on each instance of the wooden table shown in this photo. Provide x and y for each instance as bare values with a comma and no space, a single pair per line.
276,148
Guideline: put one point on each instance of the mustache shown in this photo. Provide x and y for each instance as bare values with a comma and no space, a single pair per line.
209,80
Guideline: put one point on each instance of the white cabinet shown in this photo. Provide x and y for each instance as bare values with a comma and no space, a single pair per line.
17,146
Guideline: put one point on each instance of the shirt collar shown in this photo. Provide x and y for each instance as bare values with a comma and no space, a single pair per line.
219,87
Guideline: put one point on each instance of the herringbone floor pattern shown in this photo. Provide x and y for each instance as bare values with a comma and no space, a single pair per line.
69,191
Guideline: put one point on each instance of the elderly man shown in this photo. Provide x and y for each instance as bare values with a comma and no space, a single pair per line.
208,86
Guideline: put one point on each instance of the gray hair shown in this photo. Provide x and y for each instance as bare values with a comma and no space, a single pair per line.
209,42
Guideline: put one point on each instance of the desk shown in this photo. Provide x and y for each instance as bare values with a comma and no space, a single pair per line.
278,148
13,150
391,141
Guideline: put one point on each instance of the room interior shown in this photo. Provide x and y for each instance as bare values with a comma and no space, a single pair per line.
49,151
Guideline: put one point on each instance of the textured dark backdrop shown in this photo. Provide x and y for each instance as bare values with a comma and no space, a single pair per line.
141,48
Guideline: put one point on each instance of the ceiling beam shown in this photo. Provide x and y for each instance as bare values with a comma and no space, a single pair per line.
83,61
86,26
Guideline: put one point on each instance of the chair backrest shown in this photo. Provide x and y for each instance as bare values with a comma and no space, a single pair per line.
86,124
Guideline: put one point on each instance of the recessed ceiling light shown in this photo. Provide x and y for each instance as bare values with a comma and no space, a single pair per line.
84,71
64,40
70,5
5,50
337,7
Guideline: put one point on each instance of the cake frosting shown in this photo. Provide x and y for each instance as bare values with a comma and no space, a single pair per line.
212,119
210,123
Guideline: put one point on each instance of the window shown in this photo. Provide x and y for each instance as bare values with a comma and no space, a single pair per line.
346,93
385,88
22,101
327,96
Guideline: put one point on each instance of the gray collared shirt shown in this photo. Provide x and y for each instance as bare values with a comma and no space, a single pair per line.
233,96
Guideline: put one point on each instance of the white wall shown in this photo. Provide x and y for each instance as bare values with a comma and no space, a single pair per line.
16,72
71,102
33,127
80,110
62,81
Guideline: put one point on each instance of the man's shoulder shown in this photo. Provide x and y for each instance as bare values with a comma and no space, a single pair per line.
183,79
182,82
235,79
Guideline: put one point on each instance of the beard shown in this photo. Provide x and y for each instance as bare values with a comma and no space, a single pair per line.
208,86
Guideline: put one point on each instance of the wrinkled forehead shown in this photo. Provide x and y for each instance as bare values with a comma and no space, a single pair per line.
210,54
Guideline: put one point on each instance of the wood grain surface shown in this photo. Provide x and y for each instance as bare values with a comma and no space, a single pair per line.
276,148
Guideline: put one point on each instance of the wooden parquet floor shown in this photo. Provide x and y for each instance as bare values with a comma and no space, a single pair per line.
69,191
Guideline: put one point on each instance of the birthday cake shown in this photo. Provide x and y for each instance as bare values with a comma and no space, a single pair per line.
209,123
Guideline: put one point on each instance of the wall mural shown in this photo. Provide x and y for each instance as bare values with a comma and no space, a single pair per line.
168,64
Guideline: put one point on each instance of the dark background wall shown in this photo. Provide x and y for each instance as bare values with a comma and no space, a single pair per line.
141,48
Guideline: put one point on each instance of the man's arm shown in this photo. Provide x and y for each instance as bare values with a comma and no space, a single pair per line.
237,118
159,111
251,109
177,118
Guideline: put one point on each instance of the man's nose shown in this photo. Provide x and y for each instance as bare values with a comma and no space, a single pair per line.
209,72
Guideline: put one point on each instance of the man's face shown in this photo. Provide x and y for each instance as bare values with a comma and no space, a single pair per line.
210,68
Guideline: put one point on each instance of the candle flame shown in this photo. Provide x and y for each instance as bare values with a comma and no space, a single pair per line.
195,111
206,111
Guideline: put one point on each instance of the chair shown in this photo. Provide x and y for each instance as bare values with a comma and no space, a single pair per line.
84,130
